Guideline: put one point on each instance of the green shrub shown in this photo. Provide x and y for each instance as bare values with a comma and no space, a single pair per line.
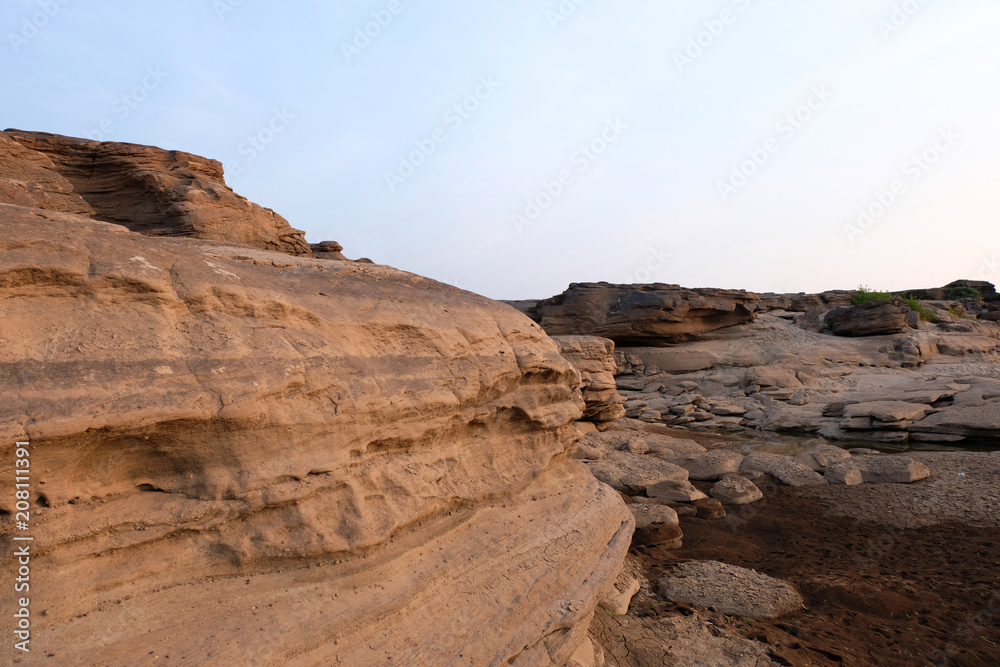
865,294
962,292
957,313
926,314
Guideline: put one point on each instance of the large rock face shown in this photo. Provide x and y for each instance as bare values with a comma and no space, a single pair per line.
147,189
875,318
244,457
654,314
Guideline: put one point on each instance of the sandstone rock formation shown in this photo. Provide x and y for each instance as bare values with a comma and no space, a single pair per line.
868,319
594,358
244,457
146,189
730,589
655,314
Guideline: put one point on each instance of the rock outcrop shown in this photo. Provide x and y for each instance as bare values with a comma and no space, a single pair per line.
655,314
243,457
595,359
146,189
874,318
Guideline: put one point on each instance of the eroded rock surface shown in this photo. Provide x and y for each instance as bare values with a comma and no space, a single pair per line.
595,359
312,453
144,188
655,314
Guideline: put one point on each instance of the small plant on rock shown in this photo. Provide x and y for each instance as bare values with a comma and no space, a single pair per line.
926,314
865,294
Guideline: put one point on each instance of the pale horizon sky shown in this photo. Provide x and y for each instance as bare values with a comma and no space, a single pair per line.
312,118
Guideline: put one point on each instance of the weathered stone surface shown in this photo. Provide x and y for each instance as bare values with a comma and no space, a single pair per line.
632,474
594,358
976,421
158,192
875,318
880,469
821,456
616,598
675,490
888,411
645,515
783,468
844,474
709,465
736,490
655,314
664,535
730,589
28,178
709,508
275,438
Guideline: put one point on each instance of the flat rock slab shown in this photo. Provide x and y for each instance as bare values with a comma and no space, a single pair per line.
879,469
681,491
709,466
783,468
888,411
821,456
730,589
647,515
980,420
736,490
631,473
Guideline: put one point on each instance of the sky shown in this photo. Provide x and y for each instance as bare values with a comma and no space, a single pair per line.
511,148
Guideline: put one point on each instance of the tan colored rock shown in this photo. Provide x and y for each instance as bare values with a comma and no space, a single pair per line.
735,490
730,589
617,597
675,490
880,469
709,465
648,514
632,474
159,192
594,358
275,439
783,468
821,456
888,411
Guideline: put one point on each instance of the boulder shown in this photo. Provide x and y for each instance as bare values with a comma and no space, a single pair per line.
711,465
709,508
642,315
156,192
735,490
617,597
878,469
594,358
888,411
675,490
274,437
646,515
875,318
821,456
730,590
632,474
783,468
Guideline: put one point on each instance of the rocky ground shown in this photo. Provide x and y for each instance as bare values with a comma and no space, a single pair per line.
888,573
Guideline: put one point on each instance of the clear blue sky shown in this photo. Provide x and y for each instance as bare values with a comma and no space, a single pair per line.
663,119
